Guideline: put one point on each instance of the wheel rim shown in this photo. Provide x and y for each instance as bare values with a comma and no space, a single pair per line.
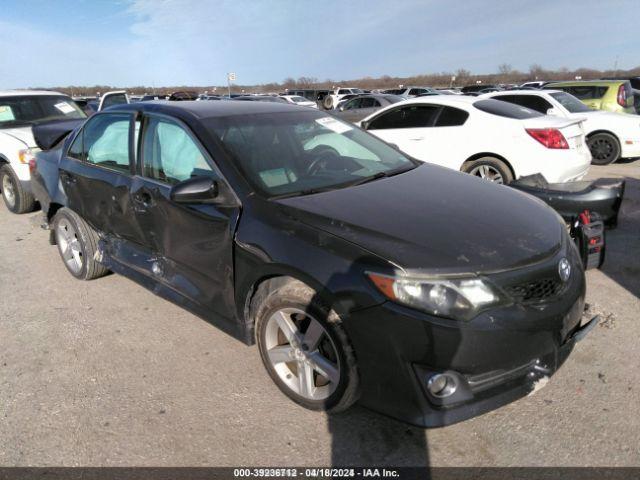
302,354
8,191
602,149
488,173
69,245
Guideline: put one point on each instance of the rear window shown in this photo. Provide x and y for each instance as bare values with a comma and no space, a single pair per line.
451,117
532,102
33,109
504,109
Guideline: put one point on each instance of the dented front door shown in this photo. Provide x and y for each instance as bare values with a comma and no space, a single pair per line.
191,244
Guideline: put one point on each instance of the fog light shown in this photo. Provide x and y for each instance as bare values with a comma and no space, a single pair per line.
442,385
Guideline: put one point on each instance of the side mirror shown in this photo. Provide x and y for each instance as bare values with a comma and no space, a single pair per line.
552,111
195,190
364,125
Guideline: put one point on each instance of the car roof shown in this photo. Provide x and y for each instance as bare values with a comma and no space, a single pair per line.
202,110
521,92
12,93
442,100
578,83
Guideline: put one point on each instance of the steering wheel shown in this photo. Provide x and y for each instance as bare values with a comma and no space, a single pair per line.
324,156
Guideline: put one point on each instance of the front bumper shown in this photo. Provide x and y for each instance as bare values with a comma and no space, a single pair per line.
497,357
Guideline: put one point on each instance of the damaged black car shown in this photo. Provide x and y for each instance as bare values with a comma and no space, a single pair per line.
363,275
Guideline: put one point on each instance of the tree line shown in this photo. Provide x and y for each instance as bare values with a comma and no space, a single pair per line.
505,75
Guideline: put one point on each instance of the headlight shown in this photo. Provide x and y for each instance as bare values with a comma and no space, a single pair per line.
457,298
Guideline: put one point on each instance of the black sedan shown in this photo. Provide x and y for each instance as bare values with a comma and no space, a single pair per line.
359,272
355,109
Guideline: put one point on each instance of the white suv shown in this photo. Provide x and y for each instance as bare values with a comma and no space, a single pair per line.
333,99
20,111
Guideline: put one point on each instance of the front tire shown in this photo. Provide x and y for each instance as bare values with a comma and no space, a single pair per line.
77,244
304,348
489,168
605,149
15,197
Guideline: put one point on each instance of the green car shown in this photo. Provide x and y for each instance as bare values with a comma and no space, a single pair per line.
611,95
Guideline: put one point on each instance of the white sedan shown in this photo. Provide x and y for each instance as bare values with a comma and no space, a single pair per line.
610,135
298,100
484,137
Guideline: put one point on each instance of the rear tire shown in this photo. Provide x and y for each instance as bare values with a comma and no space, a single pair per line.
77,244
489,168
15,197
331,351
605,149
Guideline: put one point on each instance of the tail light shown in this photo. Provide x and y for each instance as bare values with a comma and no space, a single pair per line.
549,137
622,96
26,155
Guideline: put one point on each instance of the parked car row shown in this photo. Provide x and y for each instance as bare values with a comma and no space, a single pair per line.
350,261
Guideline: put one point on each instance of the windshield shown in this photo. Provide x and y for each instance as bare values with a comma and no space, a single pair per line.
395,91
570,102
293,153
299,99
32,109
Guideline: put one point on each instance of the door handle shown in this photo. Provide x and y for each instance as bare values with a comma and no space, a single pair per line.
415,139
67,178
143,199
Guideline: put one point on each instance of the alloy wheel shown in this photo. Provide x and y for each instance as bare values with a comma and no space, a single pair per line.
488,173
9,191
602,149
302,353
69,244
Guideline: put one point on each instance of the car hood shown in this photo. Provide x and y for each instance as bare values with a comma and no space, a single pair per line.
432,219
23,134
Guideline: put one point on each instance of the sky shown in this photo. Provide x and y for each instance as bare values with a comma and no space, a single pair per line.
196,42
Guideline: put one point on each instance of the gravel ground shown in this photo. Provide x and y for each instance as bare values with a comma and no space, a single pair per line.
104,373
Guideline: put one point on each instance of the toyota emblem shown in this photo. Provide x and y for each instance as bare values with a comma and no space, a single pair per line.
564,269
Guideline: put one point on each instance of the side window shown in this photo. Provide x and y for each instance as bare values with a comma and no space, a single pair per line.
352,104
367,102
411,116
114,99
106,141
75,150
452,117
418,116
170,154
586,92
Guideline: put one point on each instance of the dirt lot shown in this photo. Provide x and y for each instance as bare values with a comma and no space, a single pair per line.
104,373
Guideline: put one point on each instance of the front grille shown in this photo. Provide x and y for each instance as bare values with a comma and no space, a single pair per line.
535,291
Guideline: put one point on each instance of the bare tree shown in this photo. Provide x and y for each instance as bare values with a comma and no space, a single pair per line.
505,69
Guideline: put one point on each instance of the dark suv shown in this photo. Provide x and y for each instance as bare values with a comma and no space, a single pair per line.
359,272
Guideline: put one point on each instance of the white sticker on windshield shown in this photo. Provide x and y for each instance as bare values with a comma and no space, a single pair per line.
333,124
64,107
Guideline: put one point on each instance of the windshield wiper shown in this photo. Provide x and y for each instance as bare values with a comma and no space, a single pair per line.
370,178
379,175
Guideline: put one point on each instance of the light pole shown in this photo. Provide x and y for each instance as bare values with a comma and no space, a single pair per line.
231,77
